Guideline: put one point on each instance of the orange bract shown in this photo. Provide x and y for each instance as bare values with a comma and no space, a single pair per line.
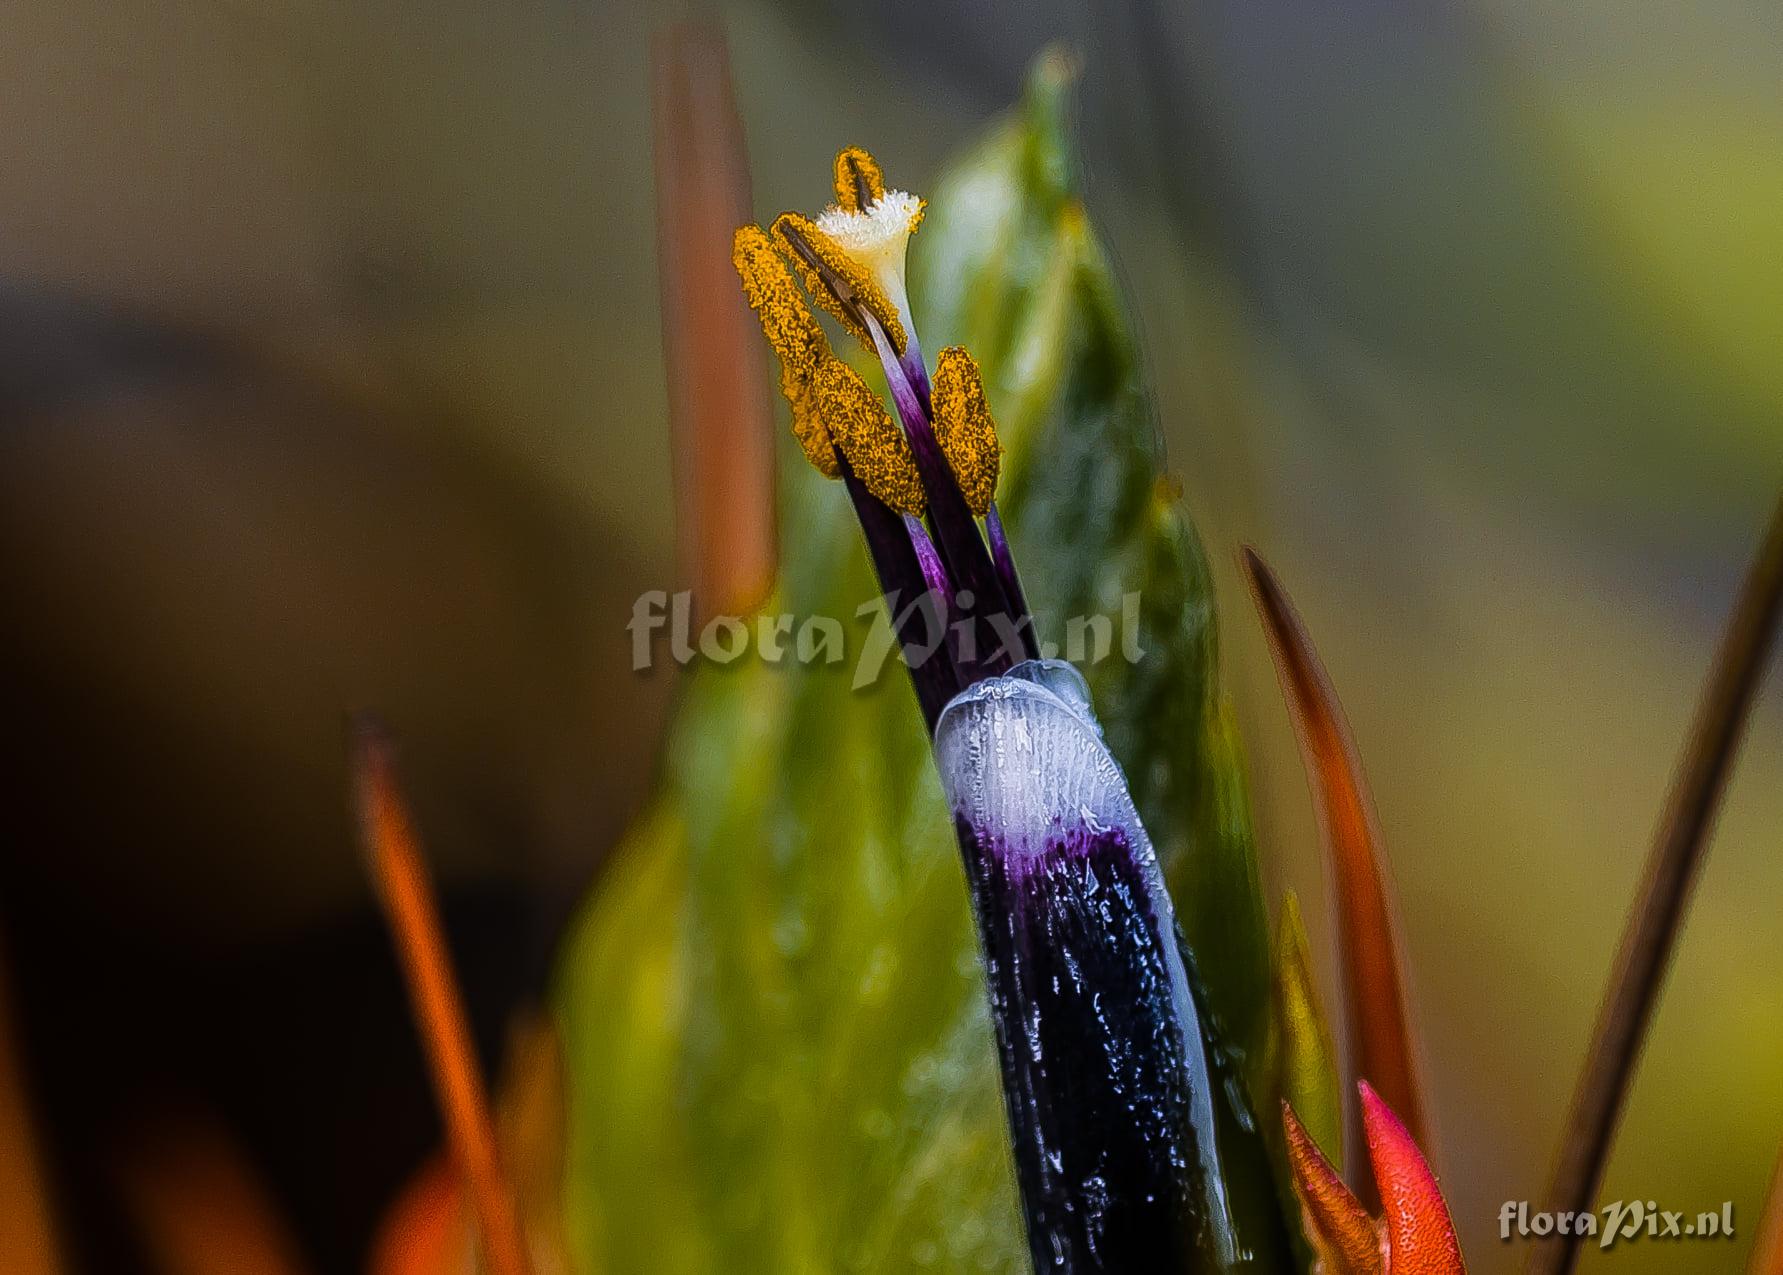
1374,999
1415,1235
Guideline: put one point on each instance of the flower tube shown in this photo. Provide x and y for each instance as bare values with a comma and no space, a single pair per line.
1106,1079
1124,1121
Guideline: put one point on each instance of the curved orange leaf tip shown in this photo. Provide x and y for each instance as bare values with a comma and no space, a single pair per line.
1374,997
721,422
427,1230
1420,1234
1415,1235
1346,1240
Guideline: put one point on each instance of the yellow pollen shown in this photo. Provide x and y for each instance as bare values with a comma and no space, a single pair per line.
854,281
812,435
800,344
876,448
964,428
774,296
857,172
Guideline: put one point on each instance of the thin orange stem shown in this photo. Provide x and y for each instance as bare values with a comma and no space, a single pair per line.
405,889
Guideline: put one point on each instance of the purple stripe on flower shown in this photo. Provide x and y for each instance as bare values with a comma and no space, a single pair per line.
955,529
916,610
1003,561
915,370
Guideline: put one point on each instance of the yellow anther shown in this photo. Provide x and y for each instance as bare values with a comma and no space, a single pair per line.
964,428
787,323
808,428
836,281
775,297
859,180
876,449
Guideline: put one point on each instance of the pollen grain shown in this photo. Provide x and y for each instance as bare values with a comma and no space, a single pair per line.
964,428
876,448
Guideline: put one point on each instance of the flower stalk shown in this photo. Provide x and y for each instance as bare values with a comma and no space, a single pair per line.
1124,1121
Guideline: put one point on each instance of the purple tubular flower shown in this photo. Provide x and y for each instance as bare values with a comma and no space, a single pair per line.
1105,1075
976,590
1121,1113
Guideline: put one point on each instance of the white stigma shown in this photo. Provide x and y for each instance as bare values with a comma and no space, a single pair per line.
876,238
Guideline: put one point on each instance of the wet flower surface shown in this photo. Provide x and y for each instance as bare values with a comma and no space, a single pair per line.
1107,1081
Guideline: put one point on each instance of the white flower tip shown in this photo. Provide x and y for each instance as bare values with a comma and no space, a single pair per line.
881,228
1022,759
875,238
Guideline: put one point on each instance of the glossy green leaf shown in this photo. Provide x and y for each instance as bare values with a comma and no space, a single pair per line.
779,1056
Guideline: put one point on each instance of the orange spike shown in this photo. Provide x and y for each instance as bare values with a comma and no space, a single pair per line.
406,892
720,416
1420,1234
1346,1239
1380,1040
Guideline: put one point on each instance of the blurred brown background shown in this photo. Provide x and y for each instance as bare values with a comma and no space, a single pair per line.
330,376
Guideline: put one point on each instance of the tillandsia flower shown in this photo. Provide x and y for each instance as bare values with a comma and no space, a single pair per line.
1119,1128
920,484
1414,1236
1123,1123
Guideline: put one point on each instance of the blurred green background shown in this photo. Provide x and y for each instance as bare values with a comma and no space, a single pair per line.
332,376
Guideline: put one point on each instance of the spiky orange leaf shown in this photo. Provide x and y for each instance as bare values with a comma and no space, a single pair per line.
1420,1234
1346,1240
1374,998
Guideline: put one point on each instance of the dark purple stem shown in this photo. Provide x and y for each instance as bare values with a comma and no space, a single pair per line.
1004,563
916,610
955,529
916,371
933,573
